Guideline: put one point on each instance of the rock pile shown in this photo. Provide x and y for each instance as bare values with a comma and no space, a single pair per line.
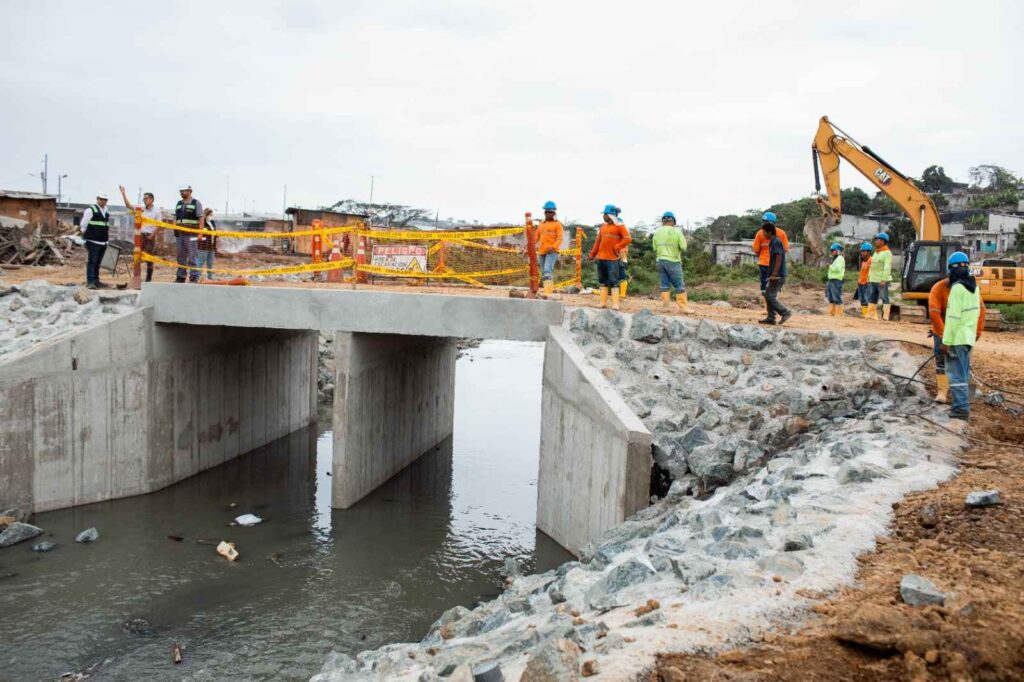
37,310
780,460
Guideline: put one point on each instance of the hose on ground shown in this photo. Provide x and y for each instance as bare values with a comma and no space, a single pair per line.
913,378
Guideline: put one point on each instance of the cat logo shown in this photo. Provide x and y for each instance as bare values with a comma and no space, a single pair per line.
883,177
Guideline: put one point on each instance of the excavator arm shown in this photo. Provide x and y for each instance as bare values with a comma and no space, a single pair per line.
831,144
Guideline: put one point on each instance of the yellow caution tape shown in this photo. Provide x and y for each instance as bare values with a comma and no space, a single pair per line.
251,235
566,283
388,272
286,270
418,236
486,247
570,252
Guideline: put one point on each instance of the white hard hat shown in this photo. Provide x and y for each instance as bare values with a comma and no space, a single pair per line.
182,188
102,195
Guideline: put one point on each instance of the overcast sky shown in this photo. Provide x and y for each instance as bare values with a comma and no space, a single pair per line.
484,110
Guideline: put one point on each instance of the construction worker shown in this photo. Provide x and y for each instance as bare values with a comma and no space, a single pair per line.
149,210
669,244
938,299
207,245
960,333
188,213
863,290
776,277
879,276
761,246
95,227
623,259
549,241
612,237
834,285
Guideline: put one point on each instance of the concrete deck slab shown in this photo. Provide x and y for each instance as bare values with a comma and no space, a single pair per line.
377,312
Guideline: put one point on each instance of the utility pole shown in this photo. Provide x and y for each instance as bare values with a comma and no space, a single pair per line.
59,178
46,163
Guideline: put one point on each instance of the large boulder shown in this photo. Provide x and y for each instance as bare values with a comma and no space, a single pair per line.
647,327
712,334
608,326
41,294
578,321
749,337
18,532
711,464
605,593
859,472
555,660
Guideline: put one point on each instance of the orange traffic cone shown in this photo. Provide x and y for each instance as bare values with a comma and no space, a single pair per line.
335,275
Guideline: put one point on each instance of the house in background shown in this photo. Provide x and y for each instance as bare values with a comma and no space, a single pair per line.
32,207
302,219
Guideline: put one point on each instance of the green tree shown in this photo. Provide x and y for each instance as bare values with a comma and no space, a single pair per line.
901,232
395,215
883,205
855,201
934,179
939,200
992,177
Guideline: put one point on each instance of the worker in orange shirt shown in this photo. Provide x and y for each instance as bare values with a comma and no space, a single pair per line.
612,238
938,297
549,241
863,292
761,245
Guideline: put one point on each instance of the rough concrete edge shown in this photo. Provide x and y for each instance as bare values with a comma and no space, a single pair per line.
24,366
630,423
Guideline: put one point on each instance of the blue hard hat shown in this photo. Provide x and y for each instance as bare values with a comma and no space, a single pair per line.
866,246
835,247
609,209
550,206
769,217
958,258
884,236
668,214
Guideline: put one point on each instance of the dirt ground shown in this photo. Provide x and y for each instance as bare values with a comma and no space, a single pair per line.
865,632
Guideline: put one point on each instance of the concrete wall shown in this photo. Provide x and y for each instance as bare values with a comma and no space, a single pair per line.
595,454
129,407
394,399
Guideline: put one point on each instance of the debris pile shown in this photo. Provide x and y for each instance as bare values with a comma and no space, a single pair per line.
38,246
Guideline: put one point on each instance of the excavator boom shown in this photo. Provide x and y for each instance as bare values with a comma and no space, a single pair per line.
829,146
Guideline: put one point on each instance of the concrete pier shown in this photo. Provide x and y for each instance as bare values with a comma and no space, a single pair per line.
129,407
394,399
595,453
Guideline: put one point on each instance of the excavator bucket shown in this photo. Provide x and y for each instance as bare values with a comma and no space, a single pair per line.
815,230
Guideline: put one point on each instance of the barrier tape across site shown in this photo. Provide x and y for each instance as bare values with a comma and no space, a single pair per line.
460,238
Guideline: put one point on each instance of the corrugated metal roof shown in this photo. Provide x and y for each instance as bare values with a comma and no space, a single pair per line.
18,194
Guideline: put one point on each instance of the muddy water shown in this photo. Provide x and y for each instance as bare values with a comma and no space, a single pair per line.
309,579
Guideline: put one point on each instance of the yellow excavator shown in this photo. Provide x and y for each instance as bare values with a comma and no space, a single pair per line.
924,261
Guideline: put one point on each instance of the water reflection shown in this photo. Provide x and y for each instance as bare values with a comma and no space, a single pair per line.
310,578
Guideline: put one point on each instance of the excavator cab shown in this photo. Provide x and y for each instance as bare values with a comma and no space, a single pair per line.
924,264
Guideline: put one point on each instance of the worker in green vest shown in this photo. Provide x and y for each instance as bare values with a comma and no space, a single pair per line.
669,244
960,333
188,213
879,276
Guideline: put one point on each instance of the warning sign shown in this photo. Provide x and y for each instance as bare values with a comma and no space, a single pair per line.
411,259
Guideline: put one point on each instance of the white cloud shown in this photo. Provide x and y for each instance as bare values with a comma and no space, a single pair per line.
484,110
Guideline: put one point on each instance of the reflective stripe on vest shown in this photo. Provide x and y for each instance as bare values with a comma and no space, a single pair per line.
186,214
98,227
